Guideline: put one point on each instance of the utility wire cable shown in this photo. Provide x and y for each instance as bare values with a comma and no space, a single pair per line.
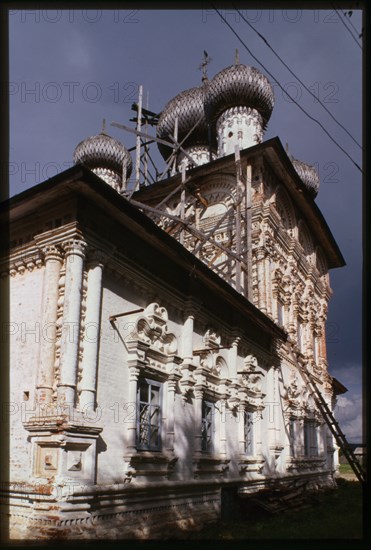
287,94
350,21
347,28
298,79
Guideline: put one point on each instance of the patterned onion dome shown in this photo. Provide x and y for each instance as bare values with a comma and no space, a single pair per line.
240,85
103,151
188,106
308,175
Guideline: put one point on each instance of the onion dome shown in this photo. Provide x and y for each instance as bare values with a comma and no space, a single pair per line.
308,175
188,107
239,85
105,156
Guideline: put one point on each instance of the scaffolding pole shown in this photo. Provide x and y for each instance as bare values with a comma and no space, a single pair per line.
137,151
249,293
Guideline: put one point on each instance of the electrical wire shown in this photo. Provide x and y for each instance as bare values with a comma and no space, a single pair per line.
359,34
298,79
347,28
288,95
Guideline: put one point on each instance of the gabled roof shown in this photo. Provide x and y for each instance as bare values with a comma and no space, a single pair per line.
273,152
338,387
81,183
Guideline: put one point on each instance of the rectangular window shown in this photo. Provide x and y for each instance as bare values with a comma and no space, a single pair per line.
249,434
310,439
207,428
149,415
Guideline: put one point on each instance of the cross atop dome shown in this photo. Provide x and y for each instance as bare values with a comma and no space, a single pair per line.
207,59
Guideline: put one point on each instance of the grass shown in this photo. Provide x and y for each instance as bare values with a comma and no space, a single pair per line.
345,469
333,514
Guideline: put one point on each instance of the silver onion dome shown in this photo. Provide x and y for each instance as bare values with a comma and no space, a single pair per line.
239,85
103,152
308,175
188,107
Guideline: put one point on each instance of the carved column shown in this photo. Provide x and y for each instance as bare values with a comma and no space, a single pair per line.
171,387
273,407
187,339
241,428
322,352
262,280
258,443
306,329
267,306
53,262
223,433
232,358
75,254
198,419
88,384
132,421
291,309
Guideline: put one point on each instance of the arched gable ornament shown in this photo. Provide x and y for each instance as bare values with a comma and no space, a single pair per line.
251,379
150,328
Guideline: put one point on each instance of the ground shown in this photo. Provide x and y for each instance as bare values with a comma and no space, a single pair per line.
332,514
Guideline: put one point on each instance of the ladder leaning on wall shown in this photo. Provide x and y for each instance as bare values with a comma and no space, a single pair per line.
333,425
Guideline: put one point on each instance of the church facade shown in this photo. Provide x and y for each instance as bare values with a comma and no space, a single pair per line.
157,337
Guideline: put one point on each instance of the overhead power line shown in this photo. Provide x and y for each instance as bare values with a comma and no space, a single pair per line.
349,13
298,79
347,28
288,95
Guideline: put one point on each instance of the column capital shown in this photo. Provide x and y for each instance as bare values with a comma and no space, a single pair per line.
52,252
236,336
75,247
172,384
260,253
134,372
198,393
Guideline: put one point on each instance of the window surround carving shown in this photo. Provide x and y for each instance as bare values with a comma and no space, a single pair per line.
152,354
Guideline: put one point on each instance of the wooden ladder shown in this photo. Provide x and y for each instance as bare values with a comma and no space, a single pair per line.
333,425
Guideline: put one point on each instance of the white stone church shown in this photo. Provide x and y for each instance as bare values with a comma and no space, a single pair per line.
158,332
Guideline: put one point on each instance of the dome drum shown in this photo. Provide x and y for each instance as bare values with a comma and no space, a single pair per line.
308,175
109,176
199,153
242,126
106,157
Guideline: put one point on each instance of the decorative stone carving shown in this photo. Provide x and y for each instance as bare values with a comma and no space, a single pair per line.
75,246
211,339
151,328
251,382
